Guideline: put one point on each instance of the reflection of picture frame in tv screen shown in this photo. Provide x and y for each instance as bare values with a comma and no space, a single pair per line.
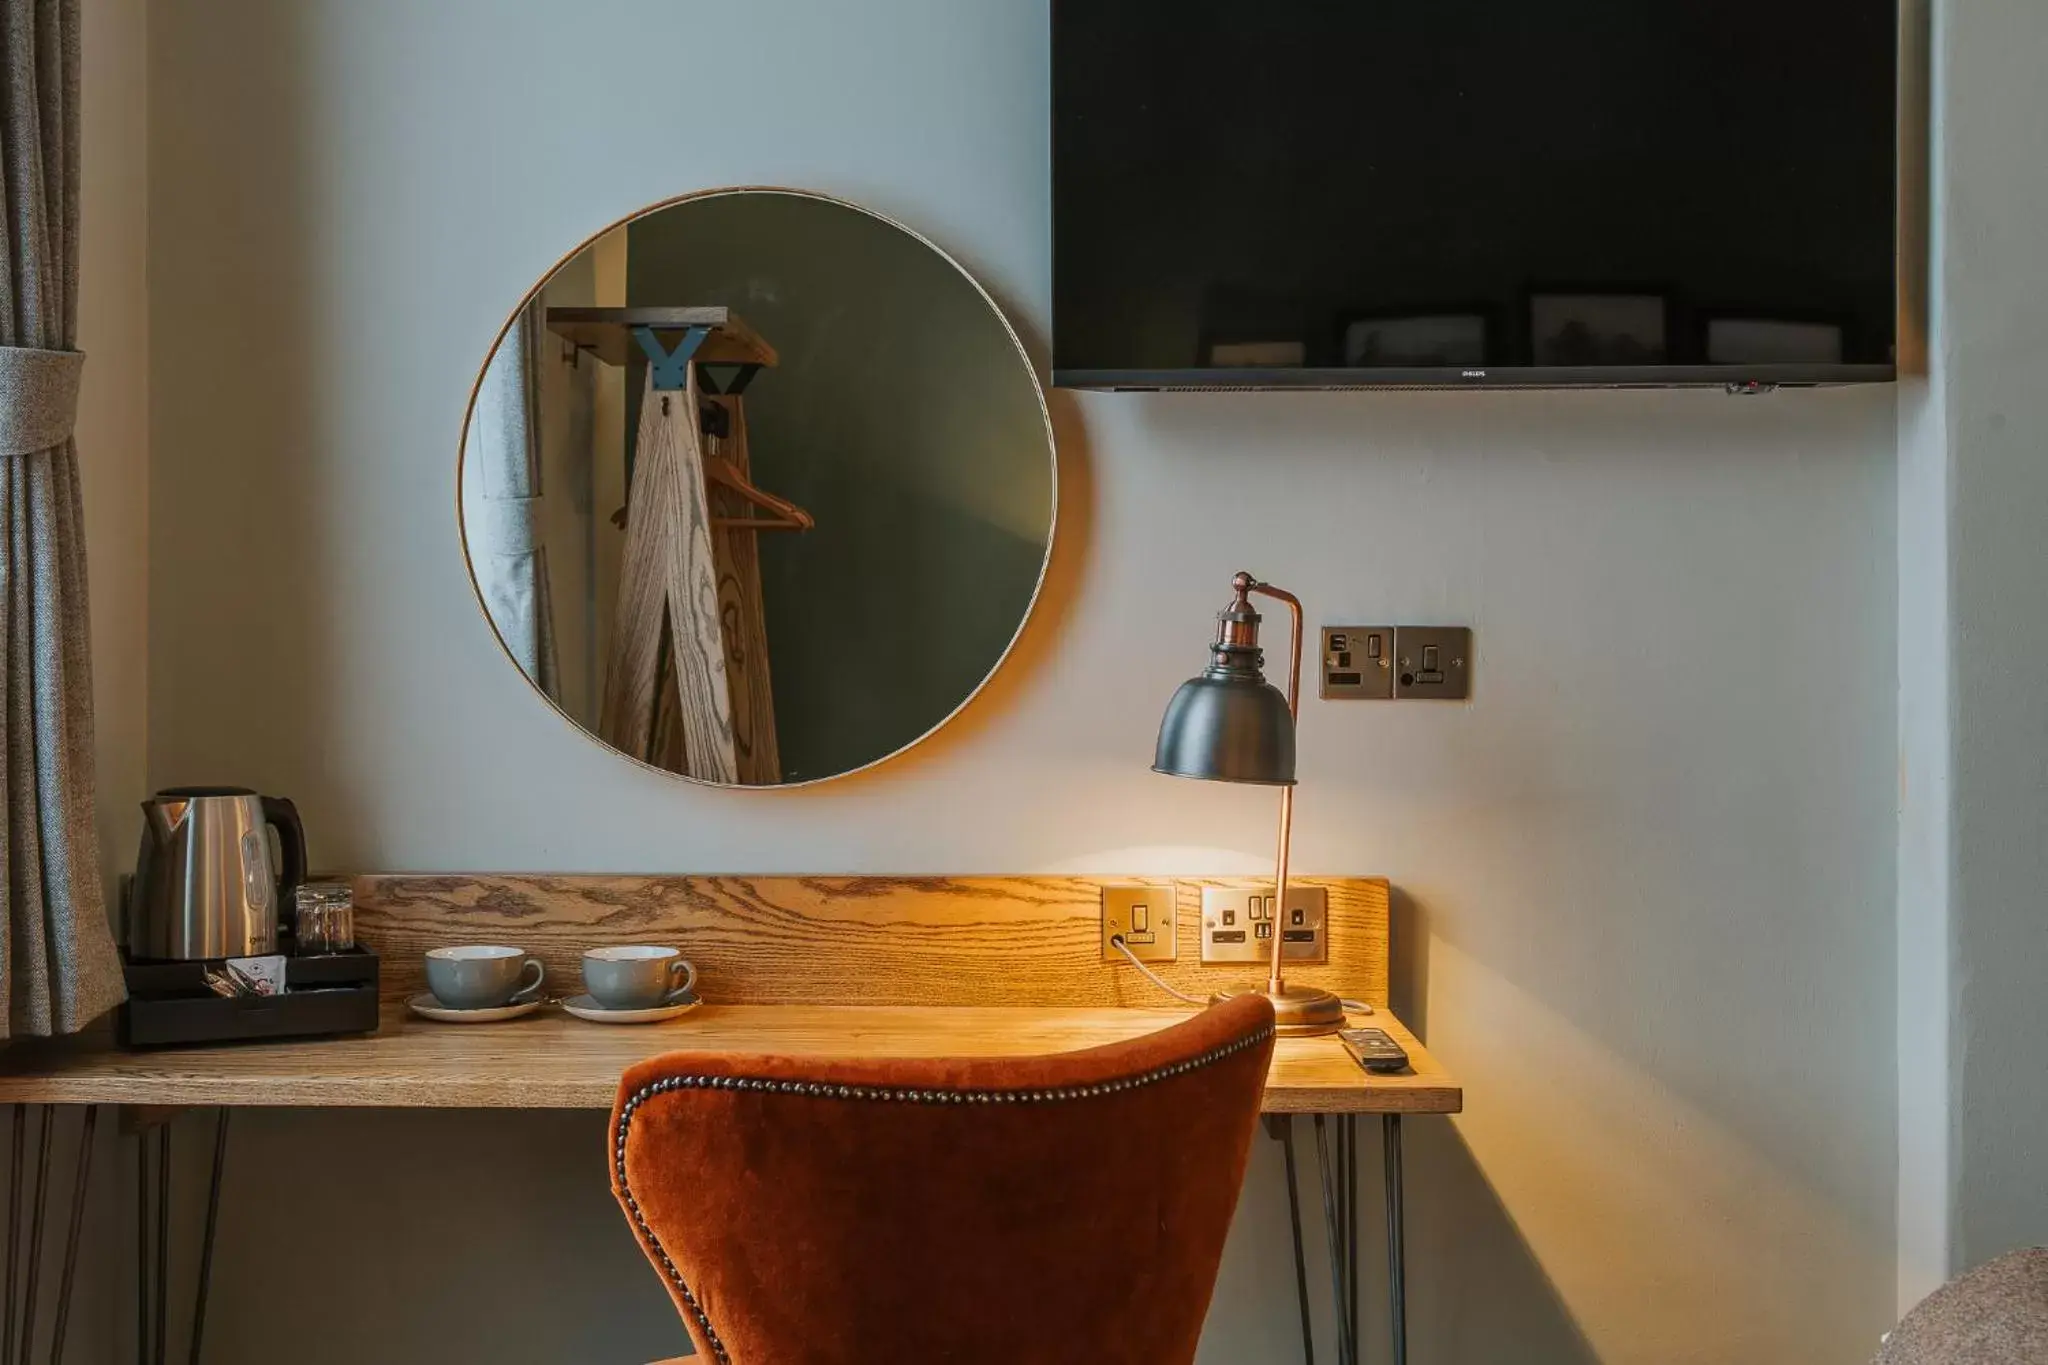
1774,341
1598,329
1415,341
1245,355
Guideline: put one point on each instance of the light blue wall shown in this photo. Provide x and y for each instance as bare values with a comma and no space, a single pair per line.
1645,877
1925,997
1973,939
1994,283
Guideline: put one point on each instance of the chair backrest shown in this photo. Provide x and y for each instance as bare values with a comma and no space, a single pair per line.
1995,1315
826,1212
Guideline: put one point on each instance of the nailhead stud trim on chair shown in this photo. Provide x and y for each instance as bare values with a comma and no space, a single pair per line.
872,1094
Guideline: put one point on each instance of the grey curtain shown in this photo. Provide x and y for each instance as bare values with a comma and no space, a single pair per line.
508,552
59,969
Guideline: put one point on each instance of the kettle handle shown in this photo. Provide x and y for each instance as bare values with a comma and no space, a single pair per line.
283,816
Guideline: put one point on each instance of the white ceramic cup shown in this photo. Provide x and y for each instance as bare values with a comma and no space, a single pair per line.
637,976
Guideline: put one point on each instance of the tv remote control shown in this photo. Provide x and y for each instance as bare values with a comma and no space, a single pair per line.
1372,1049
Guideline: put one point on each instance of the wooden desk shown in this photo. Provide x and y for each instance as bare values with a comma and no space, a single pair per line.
550,1060
954,967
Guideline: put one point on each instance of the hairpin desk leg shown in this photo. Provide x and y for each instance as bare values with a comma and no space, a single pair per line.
1337,1212
1341,1218
152,1287
1338,1175
78,1192
142,1248
1351,1230
17,1150
1397,1269
220,1159
25,1249
160,1342
35,1238
1281,1128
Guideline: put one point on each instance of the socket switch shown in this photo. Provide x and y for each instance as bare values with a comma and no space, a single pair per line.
1433,663
1144,916
1238,924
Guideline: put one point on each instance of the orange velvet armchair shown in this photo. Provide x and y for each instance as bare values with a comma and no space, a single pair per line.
820,1212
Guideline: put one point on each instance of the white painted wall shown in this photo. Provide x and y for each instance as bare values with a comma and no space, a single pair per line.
113,404
1924,1021
1647,876
113,457
1994,285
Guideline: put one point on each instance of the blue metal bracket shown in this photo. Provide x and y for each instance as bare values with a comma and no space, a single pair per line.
671,369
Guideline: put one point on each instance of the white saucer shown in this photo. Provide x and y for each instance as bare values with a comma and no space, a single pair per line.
427,1007
583,1007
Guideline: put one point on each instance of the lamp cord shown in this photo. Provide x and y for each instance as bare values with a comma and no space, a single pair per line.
1116,941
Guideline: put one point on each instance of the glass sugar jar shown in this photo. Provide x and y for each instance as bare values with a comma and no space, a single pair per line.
325,918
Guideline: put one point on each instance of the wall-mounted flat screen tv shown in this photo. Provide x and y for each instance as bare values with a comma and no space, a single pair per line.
1339,193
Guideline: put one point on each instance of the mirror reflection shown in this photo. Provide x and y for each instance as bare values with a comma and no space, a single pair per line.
757,487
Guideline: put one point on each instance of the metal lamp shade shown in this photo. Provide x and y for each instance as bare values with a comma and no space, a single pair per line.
1227,729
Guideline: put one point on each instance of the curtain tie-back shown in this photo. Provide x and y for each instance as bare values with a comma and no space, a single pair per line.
38,398
507,526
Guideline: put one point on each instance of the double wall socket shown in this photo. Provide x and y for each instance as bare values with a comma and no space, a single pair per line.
1143,915
1238,924
1375,663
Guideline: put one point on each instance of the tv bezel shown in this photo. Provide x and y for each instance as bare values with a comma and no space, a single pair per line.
1480,378
1496,377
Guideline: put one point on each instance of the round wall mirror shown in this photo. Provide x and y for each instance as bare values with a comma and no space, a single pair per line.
757,487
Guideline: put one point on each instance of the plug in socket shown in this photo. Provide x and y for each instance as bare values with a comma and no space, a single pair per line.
1144,916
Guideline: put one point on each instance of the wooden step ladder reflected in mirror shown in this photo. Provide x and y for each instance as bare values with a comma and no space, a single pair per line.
687,684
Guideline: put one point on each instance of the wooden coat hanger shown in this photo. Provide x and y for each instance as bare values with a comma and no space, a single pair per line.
784,515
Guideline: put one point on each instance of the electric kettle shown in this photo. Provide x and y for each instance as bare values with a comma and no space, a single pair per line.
206,885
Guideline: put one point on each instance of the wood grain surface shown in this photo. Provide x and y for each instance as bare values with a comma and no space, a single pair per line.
608,333
550,1060
875,940
639,617
743,619
669,573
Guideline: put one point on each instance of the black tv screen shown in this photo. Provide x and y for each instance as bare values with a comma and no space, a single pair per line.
1473,192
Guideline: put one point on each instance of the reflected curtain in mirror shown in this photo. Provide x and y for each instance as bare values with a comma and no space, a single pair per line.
510,558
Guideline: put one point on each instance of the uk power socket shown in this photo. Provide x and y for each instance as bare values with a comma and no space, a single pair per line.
1143,916
1238,924
1397,663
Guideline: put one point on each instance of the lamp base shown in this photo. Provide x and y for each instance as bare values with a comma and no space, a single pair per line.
1298,1011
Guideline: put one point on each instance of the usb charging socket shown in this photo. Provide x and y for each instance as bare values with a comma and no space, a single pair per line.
1238,924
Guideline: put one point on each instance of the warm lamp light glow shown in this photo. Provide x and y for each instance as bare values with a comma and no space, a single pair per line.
1169,860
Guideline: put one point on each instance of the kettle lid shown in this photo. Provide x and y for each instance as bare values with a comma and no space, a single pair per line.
190,793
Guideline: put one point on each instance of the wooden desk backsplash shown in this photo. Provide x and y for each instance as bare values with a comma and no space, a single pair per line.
866,940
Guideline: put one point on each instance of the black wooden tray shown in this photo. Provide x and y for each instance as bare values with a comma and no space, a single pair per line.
168,1002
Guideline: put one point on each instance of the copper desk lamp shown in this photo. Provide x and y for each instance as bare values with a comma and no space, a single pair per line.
1231,725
